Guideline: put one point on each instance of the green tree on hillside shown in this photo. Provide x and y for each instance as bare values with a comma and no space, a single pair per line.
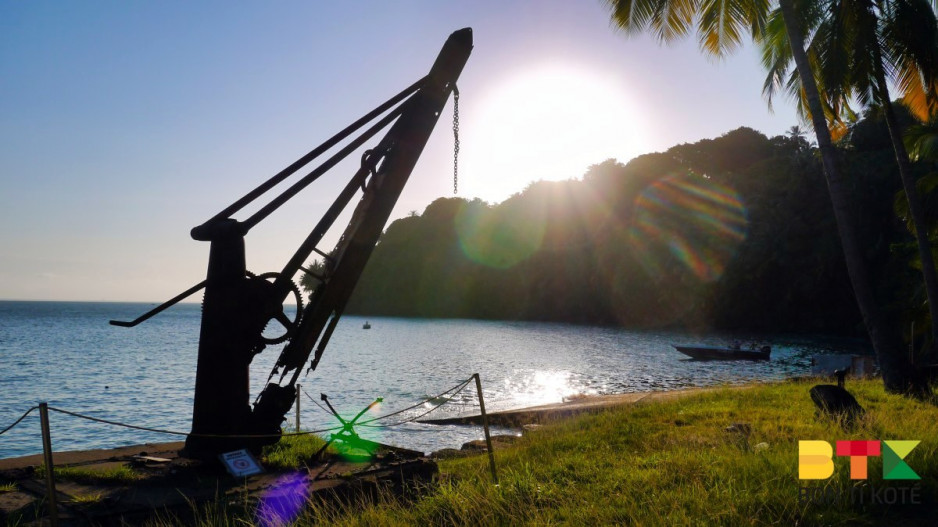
576,250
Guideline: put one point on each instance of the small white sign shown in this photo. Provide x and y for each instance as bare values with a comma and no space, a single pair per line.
241,463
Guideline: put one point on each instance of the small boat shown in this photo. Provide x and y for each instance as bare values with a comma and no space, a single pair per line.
731,353
367,325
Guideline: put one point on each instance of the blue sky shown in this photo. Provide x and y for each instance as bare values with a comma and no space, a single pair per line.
125,124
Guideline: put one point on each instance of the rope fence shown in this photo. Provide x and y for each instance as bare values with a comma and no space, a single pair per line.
7,429
448,395
367,423
173,432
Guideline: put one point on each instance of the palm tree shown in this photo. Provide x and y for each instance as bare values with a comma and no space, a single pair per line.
720,28
854,45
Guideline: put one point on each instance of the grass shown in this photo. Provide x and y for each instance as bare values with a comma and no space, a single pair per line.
116,475
291,452
87,499
8,487
671,463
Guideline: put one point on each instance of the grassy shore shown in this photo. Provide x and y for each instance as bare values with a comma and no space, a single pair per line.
674,463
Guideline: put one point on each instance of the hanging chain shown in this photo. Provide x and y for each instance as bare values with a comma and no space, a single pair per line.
456,139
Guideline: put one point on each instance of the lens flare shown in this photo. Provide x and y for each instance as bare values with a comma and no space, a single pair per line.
689,219
284,501
363,440
487,237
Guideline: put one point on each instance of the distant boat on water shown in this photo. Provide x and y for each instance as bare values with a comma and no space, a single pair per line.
734,352
367,325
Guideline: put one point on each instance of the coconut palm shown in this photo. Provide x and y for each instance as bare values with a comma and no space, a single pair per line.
721,26
857,46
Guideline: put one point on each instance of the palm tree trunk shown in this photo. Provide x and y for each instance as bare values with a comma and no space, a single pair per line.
892,363
911,193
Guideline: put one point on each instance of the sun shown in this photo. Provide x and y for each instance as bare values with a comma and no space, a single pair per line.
549,122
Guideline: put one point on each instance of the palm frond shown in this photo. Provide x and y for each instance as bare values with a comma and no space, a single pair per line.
724,23
910,34
631,16
666,19
776,55
921,141
674,19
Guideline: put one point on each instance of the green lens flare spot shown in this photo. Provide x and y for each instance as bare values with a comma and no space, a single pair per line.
488,238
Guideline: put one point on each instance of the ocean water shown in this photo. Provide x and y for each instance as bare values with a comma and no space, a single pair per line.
66,354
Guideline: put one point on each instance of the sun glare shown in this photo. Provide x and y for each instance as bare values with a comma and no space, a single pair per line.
549,123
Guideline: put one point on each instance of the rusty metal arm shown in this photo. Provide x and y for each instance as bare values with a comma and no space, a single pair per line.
160,308
294,189
313,154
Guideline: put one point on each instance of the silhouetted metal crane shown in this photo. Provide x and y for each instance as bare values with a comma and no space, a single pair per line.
239,305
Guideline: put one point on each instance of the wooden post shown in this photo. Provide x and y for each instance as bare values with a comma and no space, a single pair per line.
47,459
485,427
297,407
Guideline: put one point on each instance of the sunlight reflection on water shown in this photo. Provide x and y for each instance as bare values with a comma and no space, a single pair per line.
544,387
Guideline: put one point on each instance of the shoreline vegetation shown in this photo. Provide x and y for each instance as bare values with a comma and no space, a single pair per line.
734,233
725,456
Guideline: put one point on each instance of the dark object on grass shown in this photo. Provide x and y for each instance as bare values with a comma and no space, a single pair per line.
837,403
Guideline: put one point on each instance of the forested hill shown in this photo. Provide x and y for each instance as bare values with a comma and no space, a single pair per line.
730,233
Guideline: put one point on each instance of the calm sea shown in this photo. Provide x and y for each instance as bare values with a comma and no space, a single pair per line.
66,353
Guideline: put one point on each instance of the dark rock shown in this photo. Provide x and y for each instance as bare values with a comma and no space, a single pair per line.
450,453
478,445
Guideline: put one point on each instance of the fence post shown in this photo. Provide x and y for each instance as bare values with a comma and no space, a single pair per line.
485,427
47,459
297,407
